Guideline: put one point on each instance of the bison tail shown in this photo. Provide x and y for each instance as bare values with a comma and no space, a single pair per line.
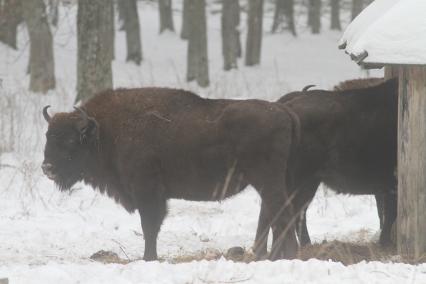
294,143
295,125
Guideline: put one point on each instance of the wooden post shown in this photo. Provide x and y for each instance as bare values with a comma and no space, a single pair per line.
411,240
391,71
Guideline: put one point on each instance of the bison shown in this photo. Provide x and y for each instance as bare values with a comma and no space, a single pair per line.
145,146
349,143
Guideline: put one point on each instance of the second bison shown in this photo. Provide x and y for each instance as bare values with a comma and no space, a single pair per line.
349,143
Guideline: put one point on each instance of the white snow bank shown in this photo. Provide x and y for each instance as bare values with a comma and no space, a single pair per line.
390,31
221,271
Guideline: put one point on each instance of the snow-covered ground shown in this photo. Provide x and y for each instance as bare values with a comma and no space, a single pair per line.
47,236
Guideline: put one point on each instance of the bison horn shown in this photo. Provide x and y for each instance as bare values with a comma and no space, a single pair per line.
306,88
46,114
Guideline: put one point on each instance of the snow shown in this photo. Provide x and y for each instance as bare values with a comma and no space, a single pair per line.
47,236
390,31
220,271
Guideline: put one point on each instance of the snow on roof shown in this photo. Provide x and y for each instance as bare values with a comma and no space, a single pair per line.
388,32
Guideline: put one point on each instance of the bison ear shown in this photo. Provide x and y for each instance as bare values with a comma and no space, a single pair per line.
87,126
88,129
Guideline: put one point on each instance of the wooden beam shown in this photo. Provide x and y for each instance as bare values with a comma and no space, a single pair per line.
411,240
358,58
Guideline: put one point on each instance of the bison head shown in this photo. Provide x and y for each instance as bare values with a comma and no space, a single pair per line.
71,142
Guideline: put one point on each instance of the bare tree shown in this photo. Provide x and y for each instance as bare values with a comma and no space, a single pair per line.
166,15
284,9
310,12
315,15
54,12
197,67
41,64
10,18
94,74
357,6
278,15
121,8
254,33
289,14
335,15
184,34
231,45
111,35
130,20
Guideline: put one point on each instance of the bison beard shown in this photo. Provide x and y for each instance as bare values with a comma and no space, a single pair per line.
348,142
145,146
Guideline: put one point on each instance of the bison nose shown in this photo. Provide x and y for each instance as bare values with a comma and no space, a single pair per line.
47,170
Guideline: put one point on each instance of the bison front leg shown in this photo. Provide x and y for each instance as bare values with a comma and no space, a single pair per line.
152,212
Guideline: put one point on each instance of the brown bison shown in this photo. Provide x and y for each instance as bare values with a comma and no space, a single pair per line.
144,146
349,143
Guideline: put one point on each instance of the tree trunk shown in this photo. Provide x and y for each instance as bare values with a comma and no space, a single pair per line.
289,14
41,63
54,12
411,241
131,26
254,33
230,33
357,6
166,15
121,8
197,68
184,34
111,35
94,72
284,9
278,15
316,16
310,12
335,15
10,18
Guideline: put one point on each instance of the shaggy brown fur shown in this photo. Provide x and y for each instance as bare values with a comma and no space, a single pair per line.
359,148
358,84
348,142
145,146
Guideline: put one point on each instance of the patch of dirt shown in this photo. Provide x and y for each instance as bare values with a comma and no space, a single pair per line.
108,257
237,254
344,252
347,253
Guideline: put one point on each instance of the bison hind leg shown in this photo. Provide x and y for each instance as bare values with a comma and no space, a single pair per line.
261,240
